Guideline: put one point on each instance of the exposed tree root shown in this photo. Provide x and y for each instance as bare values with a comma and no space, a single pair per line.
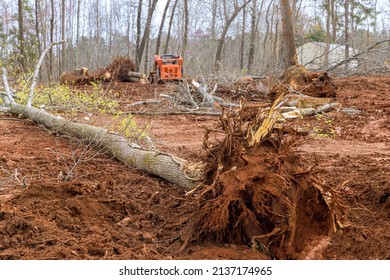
297,79
259,194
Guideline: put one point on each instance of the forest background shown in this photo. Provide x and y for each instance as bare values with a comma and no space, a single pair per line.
241,36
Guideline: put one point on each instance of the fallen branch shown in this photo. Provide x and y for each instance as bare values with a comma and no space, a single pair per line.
144,102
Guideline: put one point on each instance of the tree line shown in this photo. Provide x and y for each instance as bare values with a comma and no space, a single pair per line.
246,36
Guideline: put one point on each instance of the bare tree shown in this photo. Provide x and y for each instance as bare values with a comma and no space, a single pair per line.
22,50
37,32
158,41
268,30
242,45
97,38
186,23
254,28
328,15
290,52
139,19
62,60
141,46
50,74
213,20
346,28
334,20
229,20
77,32
170,26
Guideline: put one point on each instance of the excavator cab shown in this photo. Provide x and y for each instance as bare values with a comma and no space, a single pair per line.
168,67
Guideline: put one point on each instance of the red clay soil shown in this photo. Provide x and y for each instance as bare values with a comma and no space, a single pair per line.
62,200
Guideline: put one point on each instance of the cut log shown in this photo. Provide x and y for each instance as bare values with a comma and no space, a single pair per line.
166,166
136,74
301,112
81,71
137,77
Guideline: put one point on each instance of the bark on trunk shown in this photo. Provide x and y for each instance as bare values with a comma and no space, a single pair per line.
166,166
158,43
290,53
21,36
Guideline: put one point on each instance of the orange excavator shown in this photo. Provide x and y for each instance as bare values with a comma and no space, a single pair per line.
168,67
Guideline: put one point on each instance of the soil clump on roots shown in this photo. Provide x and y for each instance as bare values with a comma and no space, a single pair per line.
297,79
260,195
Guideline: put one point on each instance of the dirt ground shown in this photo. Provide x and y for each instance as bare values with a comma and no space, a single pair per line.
60,199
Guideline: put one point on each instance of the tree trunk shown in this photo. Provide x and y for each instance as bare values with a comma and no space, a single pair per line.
252,39
22,50
186,23
275,42
146,61
263,53
242,45
61,69
158,43
50,75
346,29
213,21
97,39
166,166
290,52
141,47
327,43
334,21
37,31
77,33
138,40
170,27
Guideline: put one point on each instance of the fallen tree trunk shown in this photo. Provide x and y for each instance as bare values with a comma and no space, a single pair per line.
166,166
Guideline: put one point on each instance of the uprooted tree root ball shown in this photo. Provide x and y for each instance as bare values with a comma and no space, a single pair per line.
259,195
117,71
297,79
120,67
